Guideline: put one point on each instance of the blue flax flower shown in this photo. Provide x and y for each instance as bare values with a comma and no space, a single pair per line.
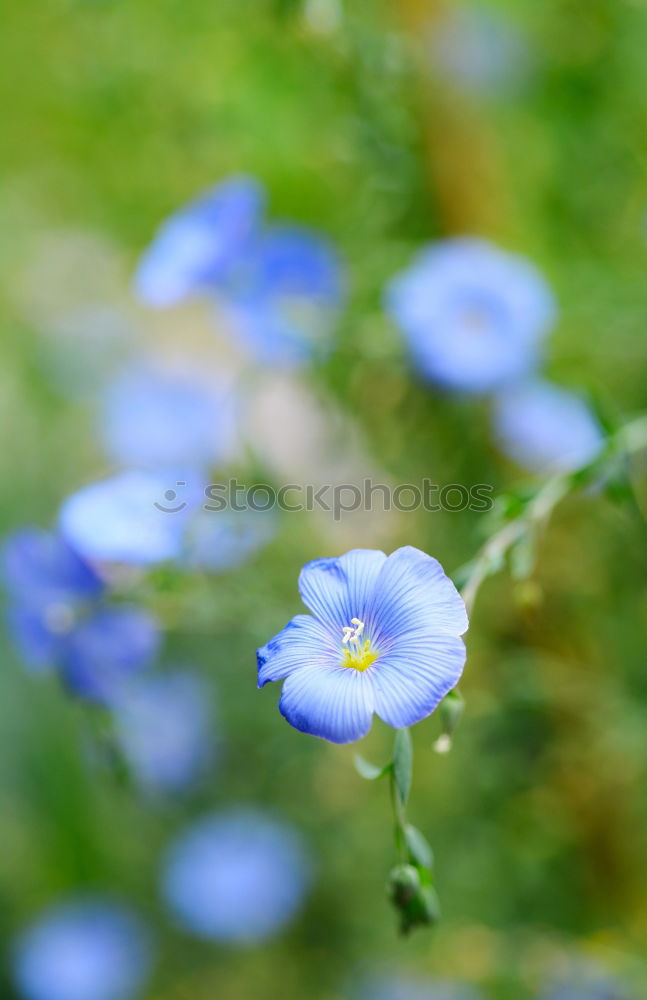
47,584
153,419
237,876
194,250
546,428
83,949
587,988
410,988
102,652
384,637
164,727
134,517
286,296
59,619
473,316
280,285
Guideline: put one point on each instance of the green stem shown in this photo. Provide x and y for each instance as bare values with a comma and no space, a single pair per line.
538,508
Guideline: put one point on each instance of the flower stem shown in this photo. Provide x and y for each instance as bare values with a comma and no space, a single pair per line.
536,509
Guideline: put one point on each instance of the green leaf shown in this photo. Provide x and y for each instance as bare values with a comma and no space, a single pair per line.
451,710
522,556
403,763
418,847
370,771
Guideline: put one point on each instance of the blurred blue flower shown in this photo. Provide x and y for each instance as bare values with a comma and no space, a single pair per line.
384,638
286,295
58,620
84,949
48,586
473,315
409,988
40,568
546,428
586,985
101,654
153,419
164,726
481,50
195,248
217,541
132,517
237,876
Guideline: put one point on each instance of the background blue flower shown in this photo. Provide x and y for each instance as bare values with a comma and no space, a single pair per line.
48,585
216,541
83,949
100,655
473,316
157,419
286,296
413,988
194,249
384,637
545,427
237,876
119,519
165,728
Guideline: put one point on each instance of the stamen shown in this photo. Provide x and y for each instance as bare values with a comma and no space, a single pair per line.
352,634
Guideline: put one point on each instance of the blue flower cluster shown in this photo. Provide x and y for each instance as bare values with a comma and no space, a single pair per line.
60,617
168,432
237,877
280,285
475,319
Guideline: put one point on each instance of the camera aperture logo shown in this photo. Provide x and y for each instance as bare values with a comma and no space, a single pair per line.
336,499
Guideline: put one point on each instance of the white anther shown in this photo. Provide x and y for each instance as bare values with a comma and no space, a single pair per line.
353,634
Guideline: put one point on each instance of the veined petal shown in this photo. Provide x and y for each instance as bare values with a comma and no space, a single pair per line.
337,590
412,592
333,703
412,678
303,642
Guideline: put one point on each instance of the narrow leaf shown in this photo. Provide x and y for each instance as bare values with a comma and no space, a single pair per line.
419,848
369,771
403,763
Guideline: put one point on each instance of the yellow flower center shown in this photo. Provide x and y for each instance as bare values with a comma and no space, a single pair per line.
355,653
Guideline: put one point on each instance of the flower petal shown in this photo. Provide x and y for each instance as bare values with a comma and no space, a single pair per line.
337,590
412,592
303,642
335,703
410,680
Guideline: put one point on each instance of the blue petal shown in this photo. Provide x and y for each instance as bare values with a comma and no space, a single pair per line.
413,592
123,519
154,419
412,679
335,703
303,642
40,568
545,427
337,590
196,246
37,644
103,652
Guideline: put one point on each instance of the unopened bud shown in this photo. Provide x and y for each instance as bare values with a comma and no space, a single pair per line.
404,884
